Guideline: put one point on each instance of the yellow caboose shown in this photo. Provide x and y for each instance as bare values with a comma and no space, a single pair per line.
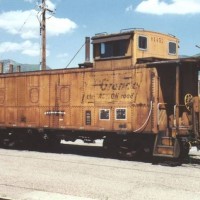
137,95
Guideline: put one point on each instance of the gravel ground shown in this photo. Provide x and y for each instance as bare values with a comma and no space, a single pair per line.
84,173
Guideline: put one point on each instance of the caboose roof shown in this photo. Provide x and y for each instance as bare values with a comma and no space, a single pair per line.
123,34
191,60
111,37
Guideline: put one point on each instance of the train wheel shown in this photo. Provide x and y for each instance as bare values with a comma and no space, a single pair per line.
50,143
54,143
184,149
9,140
139,148
9,143
111,146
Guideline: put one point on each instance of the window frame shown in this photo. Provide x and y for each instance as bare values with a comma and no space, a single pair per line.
120,109
140,48
169,48
112,49
105,109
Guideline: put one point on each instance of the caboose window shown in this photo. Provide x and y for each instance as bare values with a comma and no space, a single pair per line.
103,48
111,49
120,114
142,42
172,48
104,114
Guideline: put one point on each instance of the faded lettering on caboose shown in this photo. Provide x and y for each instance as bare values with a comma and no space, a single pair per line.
111,87
106,85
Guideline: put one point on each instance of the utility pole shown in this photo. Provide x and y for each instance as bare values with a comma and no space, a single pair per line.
43,32
43,8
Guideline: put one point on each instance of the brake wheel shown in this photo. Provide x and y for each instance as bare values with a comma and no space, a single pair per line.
188,100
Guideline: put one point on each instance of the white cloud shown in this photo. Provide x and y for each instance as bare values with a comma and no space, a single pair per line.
27,48
12,21
160,7
57,26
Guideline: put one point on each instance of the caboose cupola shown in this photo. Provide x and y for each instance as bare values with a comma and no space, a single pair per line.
125,49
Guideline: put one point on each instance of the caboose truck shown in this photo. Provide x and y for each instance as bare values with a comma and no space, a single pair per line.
137,95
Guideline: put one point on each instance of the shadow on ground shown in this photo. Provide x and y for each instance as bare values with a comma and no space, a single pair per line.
99,152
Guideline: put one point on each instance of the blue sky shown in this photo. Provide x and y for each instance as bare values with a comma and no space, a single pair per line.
75,19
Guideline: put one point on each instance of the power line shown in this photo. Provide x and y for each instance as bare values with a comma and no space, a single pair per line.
75,55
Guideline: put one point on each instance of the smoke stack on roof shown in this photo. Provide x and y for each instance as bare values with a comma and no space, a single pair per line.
87,62
87,49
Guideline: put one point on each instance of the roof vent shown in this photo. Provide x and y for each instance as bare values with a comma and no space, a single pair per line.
99,34
130,29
